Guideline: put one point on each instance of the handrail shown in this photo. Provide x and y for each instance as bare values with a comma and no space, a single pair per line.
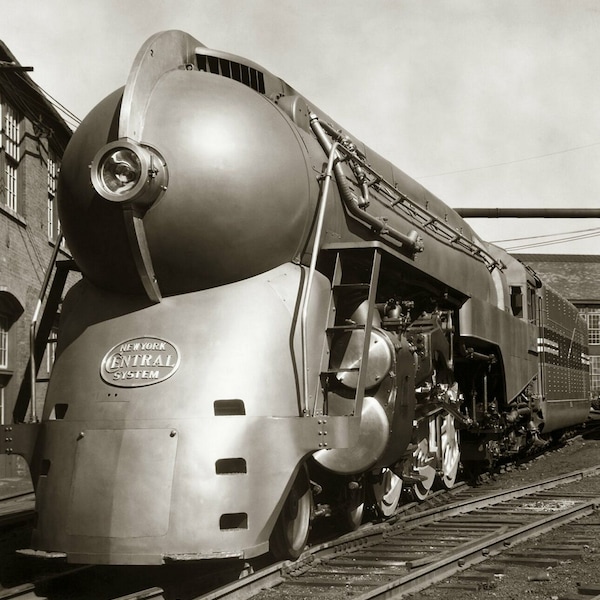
322,203
356,206
423,217
34,322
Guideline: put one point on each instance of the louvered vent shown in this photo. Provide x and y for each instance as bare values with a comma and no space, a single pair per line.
227,68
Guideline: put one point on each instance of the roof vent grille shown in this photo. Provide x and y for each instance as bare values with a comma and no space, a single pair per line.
233,70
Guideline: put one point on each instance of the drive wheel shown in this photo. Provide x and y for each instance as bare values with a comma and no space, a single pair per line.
450,451
352,505
386,490
290,534
423,457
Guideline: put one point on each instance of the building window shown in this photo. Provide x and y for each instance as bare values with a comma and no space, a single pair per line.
3,342
11,156
50,218
592,317
51,350
595,374
52,178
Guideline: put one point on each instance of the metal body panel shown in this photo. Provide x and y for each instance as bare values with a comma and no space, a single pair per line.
565,413
199,462
197,509
233,207
565,362
487,327
113,456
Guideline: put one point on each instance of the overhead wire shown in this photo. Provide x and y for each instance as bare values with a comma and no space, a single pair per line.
589,233
546,235
510,162
34,103
63,110
564,240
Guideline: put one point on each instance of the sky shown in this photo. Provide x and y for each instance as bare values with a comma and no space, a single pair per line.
488,103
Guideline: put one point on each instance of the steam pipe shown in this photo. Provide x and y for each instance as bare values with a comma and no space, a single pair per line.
410,241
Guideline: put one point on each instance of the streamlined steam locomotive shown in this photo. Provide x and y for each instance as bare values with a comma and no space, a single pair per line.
273,324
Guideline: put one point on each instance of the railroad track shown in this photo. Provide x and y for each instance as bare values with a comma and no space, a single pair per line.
424,544
419,549
17,508
413,551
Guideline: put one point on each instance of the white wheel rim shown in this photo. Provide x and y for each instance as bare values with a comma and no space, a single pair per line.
387,492
421,457
450,451
298,526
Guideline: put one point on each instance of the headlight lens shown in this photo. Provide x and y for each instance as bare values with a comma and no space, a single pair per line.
125,171
120,170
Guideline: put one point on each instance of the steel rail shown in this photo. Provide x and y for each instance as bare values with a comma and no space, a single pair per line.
454,560
16,496
154,592
16,508
472,555
252,584
27,591
24,591
465,506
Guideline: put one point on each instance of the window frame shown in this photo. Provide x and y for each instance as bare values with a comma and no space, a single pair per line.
53,168
10,142
592,317
595,374
4,341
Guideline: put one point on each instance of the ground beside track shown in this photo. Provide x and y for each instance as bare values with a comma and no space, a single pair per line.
522,582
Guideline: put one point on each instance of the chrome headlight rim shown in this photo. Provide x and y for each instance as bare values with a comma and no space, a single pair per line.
126,171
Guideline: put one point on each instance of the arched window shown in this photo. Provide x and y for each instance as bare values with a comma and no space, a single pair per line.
10,310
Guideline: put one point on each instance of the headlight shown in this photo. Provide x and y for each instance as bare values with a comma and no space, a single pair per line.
120,170
124,171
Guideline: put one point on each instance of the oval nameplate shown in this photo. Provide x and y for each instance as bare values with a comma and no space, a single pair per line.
139,361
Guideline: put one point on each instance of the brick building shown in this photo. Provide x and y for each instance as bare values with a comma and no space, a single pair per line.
577,278
33,137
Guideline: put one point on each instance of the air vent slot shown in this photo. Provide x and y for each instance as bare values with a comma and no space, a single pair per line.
233,70
233,521
228,408
231,466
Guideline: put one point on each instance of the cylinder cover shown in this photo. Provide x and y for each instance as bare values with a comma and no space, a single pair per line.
346,353
372,441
